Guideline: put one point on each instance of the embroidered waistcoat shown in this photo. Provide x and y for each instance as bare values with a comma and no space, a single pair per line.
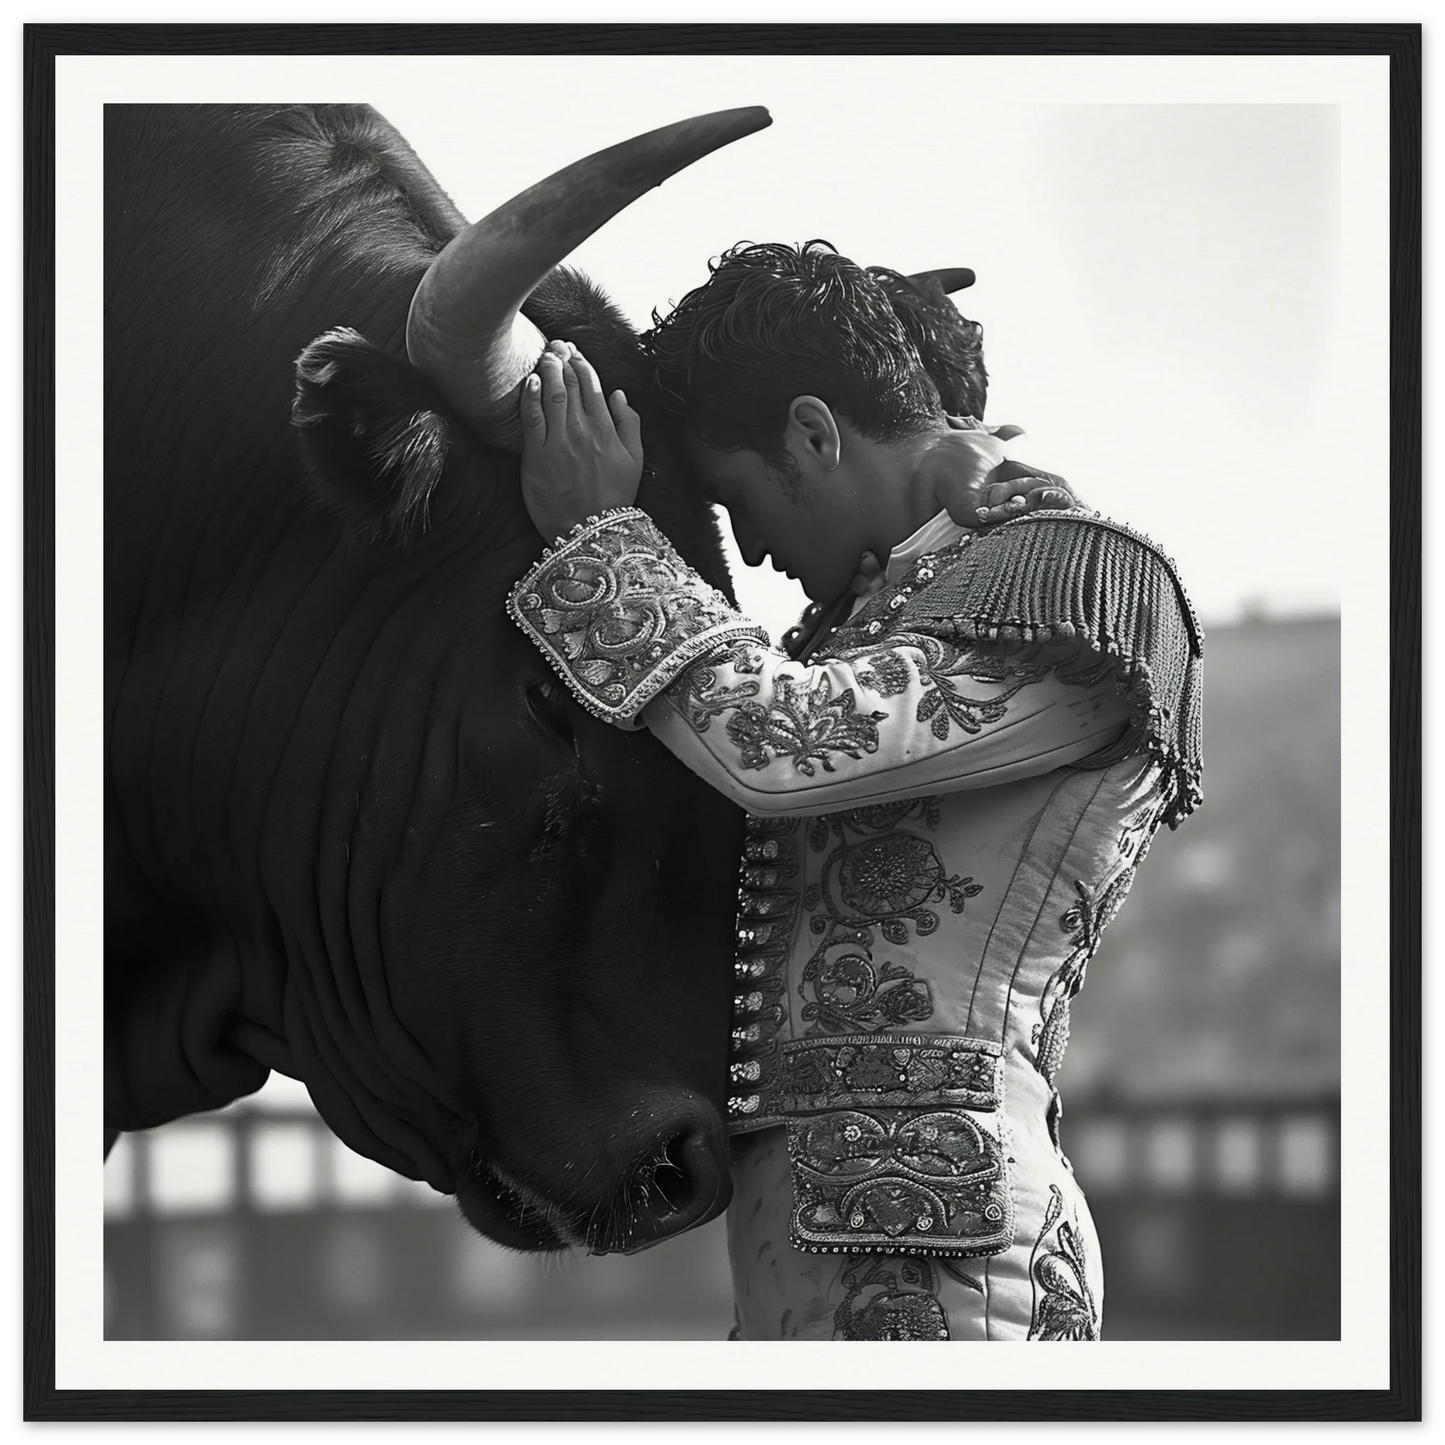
948,797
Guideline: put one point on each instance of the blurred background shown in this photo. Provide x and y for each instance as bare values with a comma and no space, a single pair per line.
1159,288
1201,1099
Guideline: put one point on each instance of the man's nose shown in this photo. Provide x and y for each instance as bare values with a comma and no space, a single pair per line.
750,545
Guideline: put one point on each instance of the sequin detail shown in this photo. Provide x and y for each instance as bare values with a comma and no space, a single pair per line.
896,1144
620,615
1053,575
887,1298
767,909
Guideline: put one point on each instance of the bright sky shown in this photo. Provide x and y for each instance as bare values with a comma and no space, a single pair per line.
1157,284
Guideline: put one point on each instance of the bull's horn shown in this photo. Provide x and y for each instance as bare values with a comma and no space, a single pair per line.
464,328
953,278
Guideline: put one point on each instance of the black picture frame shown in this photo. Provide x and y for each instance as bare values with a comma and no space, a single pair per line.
1401,1401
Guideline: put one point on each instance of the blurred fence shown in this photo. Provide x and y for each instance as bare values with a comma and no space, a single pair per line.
1215,1222
256,1222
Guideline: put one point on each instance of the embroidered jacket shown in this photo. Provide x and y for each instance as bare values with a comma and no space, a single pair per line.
947,803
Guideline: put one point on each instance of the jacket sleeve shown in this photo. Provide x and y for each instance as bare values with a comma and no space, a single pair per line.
635,634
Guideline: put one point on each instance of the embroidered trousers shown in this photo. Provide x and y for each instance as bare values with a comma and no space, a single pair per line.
1046,1285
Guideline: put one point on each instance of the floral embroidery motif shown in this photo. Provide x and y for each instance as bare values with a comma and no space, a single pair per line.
851,994
923,1181
1064,1307
619,614
806,724
888,671
892,878
698,695
881,882
1137,833
1051,1034
1083,924
889,1299
889,1147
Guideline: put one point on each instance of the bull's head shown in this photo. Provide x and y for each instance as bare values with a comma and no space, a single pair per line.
355,830
552,898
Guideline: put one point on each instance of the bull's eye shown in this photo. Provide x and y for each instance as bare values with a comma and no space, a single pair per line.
548,704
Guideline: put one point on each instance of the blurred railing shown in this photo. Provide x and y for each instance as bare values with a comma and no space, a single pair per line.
258,1223
1216,1221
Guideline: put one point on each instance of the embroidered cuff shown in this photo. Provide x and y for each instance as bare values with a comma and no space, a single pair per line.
619,614
896,1145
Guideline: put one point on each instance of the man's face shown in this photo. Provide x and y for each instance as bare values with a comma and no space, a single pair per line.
812,530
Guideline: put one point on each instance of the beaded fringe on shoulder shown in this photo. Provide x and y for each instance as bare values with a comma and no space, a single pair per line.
1052,575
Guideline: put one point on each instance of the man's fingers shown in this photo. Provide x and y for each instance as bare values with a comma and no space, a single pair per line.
1002,500
999,433
1006,499
554,387
1020,471
1004,494
1007,472
573,388
529,410
629,425
589,385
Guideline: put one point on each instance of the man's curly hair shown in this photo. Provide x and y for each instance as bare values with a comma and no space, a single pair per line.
774,321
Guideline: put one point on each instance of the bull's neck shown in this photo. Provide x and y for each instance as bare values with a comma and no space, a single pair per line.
262,682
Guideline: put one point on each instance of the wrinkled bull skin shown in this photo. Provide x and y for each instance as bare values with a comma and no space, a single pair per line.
353,831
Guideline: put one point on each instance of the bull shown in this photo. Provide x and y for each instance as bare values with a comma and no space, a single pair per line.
354,832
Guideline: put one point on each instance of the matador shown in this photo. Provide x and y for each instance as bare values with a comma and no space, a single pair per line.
950,780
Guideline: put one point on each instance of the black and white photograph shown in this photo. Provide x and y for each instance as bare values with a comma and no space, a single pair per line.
705,693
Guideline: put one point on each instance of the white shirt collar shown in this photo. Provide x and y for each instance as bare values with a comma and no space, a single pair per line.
937,532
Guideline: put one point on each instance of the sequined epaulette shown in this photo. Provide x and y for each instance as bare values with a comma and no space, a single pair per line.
1051,575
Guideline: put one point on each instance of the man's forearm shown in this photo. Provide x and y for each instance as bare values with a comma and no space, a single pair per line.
636,634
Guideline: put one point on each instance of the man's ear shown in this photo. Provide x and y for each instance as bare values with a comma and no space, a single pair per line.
374,435
811,433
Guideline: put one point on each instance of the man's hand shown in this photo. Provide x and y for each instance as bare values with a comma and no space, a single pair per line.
1013,488
977,487
975,484
581,451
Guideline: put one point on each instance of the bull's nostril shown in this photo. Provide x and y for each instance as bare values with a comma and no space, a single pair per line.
670,1182
685,1185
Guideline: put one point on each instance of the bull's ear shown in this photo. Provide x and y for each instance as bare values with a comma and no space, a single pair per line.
374,435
